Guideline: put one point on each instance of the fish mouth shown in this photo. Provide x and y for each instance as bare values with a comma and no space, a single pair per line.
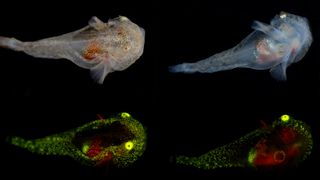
114,134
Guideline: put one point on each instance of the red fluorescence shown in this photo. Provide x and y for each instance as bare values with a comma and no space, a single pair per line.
108,156
94,148
287,135
264,157
100,117
270,159
293,151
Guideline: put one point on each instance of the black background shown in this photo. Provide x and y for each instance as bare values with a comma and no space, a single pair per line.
183,114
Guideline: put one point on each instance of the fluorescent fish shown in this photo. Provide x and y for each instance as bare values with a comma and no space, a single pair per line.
287,142
118,140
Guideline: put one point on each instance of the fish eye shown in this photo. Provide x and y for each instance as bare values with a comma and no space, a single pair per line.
128,145
283,15
125,115
123,18
285,118
85,148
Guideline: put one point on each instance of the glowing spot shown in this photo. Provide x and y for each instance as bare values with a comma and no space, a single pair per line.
85,148
125,115
283,15
129,145
285,118
251,156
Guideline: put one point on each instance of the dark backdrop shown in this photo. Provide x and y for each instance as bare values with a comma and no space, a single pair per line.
183,114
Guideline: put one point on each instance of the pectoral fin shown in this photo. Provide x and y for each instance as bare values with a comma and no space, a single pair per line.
100,71
279,72
97,24
260,26
268,30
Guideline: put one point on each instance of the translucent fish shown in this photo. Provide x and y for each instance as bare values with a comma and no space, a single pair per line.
286,143
119,140
100,47
276,46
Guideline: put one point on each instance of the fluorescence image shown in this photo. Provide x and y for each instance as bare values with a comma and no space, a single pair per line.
120,140
287,142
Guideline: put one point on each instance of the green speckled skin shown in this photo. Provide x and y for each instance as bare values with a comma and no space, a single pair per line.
239,153
64,143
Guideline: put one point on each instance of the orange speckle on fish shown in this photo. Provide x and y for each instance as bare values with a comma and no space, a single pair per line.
92,50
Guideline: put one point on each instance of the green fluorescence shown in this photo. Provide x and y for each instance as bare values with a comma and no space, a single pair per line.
120,140
251,156
285,118
129,145
286,142
85,148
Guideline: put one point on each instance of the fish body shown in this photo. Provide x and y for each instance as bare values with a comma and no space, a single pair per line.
119,140
276,46
100,47
286,143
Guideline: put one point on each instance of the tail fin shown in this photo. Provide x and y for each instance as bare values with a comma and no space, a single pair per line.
18,141
172,159
183,68
100,71
52,145
11,43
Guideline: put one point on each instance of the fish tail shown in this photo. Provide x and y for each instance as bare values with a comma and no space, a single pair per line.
183,68
11,43
18,141
46,146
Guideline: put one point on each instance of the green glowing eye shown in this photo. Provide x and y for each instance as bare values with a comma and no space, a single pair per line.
285,118
129,145
125,115
252,156
85,148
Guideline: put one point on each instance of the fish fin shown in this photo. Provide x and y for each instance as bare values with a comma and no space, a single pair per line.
100,117
96,23
263,124
279,72
100,71
268,30
260,26
11,43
